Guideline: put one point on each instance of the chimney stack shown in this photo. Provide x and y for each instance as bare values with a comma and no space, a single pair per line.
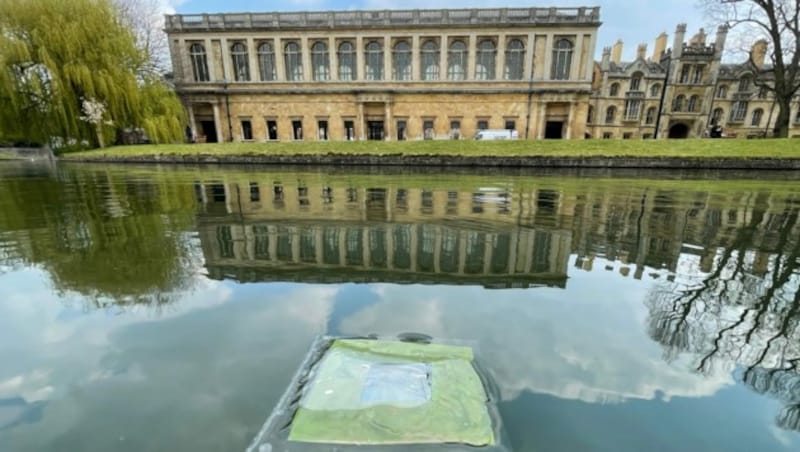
758,53
677,42
616,52
722,33
641,52
661,46
605,63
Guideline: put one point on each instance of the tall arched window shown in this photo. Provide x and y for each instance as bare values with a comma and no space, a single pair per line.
197,53
485,60
373,61
694,103
401,61
515,60
677,103
457,61
611,113
650,116
613,90
562,60
294,62
266,62
636,81
347,61
757,114
429,67
716,116
241,65
590,115
744,83
320,62
797,115
655,90
722,92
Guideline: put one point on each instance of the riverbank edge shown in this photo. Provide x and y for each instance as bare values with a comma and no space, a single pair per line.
533,161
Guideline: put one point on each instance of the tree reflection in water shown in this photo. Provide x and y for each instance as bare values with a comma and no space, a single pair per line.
744,314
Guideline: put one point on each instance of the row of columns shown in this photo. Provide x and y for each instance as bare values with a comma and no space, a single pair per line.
471,41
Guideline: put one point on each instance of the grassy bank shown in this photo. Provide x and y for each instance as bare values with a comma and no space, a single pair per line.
707,148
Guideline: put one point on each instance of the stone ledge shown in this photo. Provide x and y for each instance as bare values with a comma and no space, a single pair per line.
461,161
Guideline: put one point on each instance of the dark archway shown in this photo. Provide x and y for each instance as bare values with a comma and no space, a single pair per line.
679,130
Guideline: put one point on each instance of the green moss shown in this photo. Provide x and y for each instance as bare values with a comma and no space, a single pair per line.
769,148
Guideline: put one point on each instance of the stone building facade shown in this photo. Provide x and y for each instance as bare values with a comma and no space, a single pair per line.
683,91
385,75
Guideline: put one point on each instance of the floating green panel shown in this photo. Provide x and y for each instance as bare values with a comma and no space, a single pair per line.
384,392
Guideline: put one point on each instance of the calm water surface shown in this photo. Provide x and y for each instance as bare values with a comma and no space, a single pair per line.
146,308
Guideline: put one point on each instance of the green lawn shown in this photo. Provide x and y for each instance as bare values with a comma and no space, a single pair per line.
765,148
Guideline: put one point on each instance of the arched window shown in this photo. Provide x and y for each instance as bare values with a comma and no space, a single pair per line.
611,113
744,83
294,62
429,69
716,116
401,61
636,81
590,115
613,90
515,60
197,53
722,92
241,66
373,61
693,104
347,61
562,60
677,104
797,115
655,90
757,114
650,116
457,61
266,62
485,60
320,62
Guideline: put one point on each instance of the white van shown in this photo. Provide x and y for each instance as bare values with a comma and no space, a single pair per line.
496,134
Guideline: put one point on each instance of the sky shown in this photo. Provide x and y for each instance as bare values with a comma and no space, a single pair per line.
634,22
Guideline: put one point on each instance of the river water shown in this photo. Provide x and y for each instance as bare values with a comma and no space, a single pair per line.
146,308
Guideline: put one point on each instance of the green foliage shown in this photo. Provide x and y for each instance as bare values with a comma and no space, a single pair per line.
54,54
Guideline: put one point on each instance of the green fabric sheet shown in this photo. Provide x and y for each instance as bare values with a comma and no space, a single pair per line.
377,393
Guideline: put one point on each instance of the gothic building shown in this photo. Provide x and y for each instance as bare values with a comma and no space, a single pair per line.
445,74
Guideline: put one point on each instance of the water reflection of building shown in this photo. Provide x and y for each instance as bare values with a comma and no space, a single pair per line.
313,232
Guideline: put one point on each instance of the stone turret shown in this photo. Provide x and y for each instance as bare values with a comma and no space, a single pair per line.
605,63
758,53
641,52
660,47
616,52
677,42
722,34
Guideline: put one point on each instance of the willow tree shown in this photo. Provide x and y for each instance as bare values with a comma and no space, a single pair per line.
69,73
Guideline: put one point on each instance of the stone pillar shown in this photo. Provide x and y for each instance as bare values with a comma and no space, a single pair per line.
570,118
577,58
548,56
305,52
217,122
387,57
360,62
360,121
500,64
472,47
212,65
227,72
280,62
333,58
192,123
529,51
590,60
415,55
255,74
388,124
540,121
443,58
180,53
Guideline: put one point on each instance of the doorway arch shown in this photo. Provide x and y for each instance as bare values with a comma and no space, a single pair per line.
679,130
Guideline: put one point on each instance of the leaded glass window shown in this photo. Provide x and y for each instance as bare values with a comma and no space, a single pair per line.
457,61
294,62
197,53
611,113
401,61
486,58
515,60
650,116
241,66
562,60
373,61
266,62
693,104
636,81
347,61
429,57
320,62
757,114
